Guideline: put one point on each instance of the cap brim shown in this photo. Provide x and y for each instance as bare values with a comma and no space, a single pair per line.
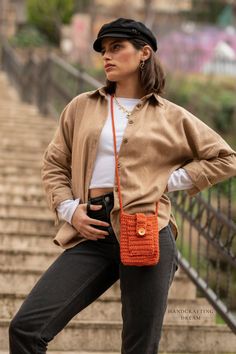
97,45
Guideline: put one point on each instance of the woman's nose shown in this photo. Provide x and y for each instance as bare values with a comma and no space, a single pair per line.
106,55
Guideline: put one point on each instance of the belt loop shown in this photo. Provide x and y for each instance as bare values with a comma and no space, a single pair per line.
107,198
88,205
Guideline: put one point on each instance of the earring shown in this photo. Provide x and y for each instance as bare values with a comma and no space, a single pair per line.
142,64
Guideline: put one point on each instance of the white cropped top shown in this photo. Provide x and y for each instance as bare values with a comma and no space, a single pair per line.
104,167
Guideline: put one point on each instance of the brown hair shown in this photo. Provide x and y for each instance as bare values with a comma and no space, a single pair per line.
152,77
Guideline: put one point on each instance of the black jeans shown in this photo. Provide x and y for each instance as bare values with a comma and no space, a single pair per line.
80,275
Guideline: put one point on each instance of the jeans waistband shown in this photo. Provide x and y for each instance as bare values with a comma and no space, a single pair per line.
107,202
108,197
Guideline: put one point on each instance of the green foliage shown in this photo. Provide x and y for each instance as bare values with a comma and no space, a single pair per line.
219,319
224,120
206,10
29,37
212,100
49,15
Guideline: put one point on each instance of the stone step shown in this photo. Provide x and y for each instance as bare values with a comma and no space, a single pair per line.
11,299
19,169
21,130
26,241
31,257
19,111
21,280
18,279
27,156
21,189
106,336
16,118
29,143
18,152
27,226
34,180
22,112
19,149
9,210
23,200
108,307
20,134
28,124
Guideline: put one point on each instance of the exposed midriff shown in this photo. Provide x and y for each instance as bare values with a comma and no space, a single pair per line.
96,192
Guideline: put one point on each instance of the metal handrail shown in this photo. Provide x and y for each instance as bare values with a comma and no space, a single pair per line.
207,245
48,90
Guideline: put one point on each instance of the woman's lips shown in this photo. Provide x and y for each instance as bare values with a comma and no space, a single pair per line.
109,67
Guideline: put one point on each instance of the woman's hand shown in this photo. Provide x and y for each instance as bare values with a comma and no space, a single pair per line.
81,222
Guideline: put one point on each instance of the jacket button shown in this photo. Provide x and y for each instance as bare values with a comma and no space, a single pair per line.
125,140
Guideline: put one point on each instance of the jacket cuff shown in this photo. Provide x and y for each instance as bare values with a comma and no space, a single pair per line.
55,200
198,177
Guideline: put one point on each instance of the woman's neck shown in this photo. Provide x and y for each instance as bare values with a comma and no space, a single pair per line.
129,90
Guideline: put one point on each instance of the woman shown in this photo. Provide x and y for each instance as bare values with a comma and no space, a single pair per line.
162,148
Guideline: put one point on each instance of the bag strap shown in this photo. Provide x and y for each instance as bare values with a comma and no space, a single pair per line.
116,155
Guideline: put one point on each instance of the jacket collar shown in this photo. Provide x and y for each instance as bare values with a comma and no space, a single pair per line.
101,91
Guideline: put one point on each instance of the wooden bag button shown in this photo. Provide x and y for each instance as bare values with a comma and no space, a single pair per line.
141,231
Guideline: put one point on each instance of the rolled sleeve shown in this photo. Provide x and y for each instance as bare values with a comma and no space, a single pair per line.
206,173
199,179
211,160
179,180
56,164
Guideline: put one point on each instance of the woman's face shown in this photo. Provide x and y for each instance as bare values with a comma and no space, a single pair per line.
121,60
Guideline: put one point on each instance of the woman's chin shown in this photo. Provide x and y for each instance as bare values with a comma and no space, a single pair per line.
111,77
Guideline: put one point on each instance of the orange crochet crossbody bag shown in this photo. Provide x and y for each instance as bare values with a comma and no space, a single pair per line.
139,235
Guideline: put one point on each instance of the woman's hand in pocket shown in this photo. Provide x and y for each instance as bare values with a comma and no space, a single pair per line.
81,222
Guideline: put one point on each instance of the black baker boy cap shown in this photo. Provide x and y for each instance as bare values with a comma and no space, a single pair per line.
125,28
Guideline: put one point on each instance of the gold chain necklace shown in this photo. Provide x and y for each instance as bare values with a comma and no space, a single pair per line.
125,110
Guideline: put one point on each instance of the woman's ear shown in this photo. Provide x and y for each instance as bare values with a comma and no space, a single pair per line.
146,52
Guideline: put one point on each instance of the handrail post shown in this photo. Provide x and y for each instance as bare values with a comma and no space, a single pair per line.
43,85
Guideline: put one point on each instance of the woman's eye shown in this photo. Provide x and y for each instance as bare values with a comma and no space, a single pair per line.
116,46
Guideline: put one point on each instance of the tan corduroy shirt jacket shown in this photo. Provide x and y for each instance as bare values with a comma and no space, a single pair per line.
159,138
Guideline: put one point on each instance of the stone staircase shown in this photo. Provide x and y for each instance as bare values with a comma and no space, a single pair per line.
26,249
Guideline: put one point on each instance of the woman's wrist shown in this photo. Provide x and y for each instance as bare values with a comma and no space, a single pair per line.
67,208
